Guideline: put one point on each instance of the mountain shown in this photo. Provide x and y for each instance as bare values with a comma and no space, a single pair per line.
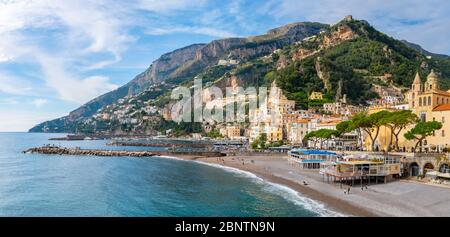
350,57
423,51
352,54
183,64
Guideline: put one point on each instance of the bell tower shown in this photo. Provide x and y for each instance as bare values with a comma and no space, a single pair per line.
416,85
416,90
432,82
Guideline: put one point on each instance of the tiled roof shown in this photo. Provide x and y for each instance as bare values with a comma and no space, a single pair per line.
443,107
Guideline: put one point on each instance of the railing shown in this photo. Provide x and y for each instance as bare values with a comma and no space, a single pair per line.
380,171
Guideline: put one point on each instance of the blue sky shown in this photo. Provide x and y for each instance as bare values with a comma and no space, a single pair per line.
57,55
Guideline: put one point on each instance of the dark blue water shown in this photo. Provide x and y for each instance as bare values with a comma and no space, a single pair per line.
43,185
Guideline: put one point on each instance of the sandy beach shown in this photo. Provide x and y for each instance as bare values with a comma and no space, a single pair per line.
398,198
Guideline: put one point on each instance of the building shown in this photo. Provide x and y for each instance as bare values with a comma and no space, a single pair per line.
441,138
274,133
270,119
422,99
369,170
385,137
233,131
297,131
316,95
429,103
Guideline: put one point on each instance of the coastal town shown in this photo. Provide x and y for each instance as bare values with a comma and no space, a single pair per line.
346,118
401,135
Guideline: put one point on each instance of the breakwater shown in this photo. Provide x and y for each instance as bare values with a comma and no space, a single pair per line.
55,150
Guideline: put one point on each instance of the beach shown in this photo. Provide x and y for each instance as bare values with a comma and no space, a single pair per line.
397,198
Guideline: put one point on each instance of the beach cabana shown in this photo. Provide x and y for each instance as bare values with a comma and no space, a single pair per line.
310,159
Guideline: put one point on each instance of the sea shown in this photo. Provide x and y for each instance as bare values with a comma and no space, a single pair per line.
66,186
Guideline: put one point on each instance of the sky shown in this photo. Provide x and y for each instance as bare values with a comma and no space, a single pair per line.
56,55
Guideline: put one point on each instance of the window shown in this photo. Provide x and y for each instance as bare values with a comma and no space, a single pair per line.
443,133
413,104
429,100
420,101
443,119
423,117
434,119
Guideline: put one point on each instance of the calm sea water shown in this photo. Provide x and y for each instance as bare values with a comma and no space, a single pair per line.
42,185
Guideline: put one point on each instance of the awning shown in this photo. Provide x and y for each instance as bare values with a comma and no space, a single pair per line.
314,152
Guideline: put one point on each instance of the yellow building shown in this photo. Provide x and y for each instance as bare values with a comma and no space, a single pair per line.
441,138
274,133
429,103
316,95
422,99
231,131
384,135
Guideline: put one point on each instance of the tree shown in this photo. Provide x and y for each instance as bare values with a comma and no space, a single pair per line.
260,142
310,136
214,134
371,124
421,131
397,121
345,126
325,135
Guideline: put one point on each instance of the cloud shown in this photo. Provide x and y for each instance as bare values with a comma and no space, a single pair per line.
169,5
13,85
39,102
4,58
91,34
8,101
70,87
192,30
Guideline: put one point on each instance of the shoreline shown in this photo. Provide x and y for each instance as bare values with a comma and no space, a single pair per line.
330,203
396,199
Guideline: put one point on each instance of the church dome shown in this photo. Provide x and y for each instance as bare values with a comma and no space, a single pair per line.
432,76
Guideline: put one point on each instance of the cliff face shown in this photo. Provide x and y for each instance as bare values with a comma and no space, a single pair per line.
168,63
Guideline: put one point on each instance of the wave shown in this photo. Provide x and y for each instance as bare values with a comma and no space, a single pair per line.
278,189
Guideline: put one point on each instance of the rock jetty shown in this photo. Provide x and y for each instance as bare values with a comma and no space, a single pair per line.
56,150
53,150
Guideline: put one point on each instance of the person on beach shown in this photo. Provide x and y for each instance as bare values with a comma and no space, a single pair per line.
348,190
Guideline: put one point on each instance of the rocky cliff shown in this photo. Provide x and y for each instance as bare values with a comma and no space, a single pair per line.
183,64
